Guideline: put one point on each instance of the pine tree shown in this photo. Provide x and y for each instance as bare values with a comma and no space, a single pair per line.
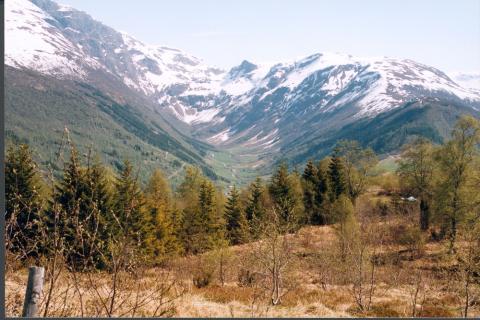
96,209
336,177
68,196
322,199
283,189
131,216
191,224
212,221
255,207
237,225
22,201
158,198
310,181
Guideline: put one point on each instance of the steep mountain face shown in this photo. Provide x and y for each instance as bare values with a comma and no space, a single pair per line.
248,116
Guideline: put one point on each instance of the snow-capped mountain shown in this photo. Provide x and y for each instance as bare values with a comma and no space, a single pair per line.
265,108
467,80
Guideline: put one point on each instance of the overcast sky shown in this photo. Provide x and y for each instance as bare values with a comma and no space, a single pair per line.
444,34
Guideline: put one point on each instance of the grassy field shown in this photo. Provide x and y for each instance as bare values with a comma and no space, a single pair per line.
407,276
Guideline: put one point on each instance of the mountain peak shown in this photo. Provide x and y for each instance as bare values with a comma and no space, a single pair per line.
242,69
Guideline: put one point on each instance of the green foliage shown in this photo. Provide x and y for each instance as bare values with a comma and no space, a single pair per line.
131,216
454,193
416,169
237,225
255,207
285,190
310,182
347,228
23,206
203,224
357,164
336,175
165,242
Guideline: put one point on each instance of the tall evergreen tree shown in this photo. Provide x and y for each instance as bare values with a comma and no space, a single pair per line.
158,198
322,199
284,191
336,175
237,225
255,209
68,219
210,217
130,213
96,208
310,181
23,209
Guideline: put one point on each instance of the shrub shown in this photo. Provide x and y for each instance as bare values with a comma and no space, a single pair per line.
246,278
202,279
412,238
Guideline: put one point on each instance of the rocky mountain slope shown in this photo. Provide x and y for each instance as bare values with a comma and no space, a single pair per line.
243,119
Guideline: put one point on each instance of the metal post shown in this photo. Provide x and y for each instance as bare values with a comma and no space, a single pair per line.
34,290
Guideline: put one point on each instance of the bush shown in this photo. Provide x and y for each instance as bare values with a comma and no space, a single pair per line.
382,208
412,238
202,279
246,278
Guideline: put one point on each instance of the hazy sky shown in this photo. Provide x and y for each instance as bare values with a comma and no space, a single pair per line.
444,34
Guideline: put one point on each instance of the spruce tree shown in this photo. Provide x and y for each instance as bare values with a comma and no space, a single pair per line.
336,177
255,208
96,209
212,233
237,225
22,201
322,199
283,189
310,181
131,215
68,199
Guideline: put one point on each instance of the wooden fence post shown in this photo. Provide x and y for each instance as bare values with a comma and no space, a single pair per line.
33,292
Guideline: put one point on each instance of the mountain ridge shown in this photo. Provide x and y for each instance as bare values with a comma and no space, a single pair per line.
253,111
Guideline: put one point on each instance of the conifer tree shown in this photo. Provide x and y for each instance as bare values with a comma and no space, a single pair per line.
68,196
96,208
255,209
336,175
322,199
158,198
212,231
23,204
191,224
284,191
237,225
130,213
310,182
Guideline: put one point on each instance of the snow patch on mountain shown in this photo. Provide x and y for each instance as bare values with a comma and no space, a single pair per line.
32,42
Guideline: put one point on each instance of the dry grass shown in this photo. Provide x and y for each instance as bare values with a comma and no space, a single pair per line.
319,289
